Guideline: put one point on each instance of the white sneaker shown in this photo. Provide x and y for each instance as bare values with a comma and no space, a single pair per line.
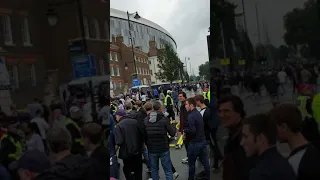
150,179
185,160
175,175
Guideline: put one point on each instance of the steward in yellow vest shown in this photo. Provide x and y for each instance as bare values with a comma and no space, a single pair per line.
74,129
316,107
11,147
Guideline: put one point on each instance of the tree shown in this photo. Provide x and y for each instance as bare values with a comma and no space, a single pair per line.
169,64
302,29
204,71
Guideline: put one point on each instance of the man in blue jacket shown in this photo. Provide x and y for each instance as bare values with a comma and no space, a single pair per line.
198,143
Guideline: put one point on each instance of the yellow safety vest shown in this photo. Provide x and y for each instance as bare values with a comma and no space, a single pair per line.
15,156
115,108
165,100
316,107
204,95
208,95
69,121
302,106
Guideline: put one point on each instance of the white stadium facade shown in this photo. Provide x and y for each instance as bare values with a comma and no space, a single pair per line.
142,31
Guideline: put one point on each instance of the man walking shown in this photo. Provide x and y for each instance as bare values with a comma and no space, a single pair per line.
129,137
198,143
157,126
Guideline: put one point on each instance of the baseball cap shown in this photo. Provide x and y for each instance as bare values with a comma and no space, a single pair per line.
32,160
121,112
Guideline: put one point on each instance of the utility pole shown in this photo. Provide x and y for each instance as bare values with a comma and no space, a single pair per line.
244,17
258,23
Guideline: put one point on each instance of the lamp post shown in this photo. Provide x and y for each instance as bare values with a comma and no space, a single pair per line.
53,19
136,16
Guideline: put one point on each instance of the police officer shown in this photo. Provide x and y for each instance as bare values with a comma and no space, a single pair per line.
303,100
316,107
168,103
113,107
72,125
11,147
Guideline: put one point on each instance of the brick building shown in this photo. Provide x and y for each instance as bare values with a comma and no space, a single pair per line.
121,55
37,54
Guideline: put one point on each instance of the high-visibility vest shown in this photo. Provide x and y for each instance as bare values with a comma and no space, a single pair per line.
166,99
15,156
204,95
208,95
316,107
302,106
115,108
68,122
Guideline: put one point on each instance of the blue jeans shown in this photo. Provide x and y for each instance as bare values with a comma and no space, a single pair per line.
165,162
196,150
146,157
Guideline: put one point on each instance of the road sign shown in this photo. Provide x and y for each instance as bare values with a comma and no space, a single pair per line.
83,66
135,82
225,61
76,48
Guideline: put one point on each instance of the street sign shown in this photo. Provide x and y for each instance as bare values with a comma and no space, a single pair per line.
76,48
225,61
241,62
135,82
83,66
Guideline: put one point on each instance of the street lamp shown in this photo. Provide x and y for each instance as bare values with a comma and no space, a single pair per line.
53,19
136,16
126,66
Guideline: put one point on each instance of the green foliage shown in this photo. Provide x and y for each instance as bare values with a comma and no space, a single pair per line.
302,29
204,70
169,64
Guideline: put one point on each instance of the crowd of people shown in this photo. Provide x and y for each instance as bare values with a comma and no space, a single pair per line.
44,143
146,130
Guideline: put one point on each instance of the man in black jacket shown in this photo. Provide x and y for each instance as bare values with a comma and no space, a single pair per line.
183,115
92,134
67,166
157,126
129,137
259,139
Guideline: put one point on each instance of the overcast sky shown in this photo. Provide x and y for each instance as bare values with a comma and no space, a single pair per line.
186,20
270,13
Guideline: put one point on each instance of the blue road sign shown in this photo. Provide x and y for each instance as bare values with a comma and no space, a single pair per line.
83,66
135,82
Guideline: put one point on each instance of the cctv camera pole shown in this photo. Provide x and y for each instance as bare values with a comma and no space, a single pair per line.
130,37
85,52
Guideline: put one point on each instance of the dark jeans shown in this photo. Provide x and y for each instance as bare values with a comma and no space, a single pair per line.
165,162
146,157
132,167
216,151
196,150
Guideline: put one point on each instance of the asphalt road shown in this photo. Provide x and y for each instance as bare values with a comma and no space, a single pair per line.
252,106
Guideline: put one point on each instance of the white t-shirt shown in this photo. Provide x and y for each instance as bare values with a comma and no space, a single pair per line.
42,125
35,142
282,76
143,97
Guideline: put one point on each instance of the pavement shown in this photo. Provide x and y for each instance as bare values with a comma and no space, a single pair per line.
252,106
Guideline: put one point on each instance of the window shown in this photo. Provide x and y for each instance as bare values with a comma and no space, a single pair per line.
86,26
6,28
102,66
140,70
120,85
116,56
135,57
111,71
32,74
114,85
96,28
106,29
14,79
151,72
117,71
110,54
25,33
